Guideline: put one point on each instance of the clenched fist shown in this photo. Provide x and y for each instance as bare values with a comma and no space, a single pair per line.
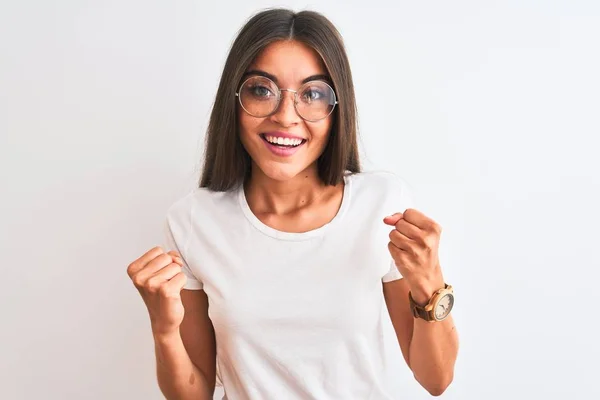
157,276
414,244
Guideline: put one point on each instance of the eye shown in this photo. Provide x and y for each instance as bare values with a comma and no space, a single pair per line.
312,94
260,91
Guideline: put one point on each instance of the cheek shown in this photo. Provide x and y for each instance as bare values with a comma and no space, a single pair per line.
320,132
246,123
248,128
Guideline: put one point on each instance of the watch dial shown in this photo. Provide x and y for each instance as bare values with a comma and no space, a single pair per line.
444,306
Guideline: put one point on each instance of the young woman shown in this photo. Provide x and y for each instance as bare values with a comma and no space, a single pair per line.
300,276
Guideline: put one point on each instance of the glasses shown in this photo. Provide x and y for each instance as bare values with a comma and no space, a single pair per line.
260,97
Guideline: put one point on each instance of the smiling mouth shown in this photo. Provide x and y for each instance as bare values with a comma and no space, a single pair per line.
284,143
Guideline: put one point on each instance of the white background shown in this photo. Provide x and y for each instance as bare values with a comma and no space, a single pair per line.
489,109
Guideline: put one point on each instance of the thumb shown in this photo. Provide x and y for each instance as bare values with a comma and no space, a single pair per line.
393,219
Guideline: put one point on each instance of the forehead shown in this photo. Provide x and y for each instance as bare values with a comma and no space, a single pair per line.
290,61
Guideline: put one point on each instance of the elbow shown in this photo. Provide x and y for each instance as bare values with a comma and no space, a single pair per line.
438,387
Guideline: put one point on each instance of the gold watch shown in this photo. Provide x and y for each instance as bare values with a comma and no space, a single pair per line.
438,307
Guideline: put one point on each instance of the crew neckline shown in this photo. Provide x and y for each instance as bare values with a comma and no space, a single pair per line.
295,236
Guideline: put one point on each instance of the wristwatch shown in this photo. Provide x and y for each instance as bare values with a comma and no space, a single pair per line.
438,307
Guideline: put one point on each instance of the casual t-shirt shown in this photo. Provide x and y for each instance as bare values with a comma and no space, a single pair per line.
297,315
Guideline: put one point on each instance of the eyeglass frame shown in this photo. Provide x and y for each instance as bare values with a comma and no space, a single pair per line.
280,96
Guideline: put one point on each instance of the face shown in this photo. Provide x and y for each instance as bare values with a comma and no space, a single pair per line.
283,144
444,306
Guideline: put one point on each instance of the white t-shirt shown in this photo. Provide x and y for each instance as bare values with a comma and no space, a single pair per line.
297,315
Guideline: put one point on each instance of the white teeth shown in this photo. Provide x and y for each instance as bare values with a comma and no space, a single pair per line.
283,141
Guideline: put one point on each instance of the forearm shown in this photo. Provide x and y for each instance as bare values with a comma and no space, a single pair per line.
432,353
178,378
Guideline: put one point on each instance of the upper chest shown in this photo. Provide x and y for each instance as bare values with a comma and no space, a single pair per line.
332,281
304,217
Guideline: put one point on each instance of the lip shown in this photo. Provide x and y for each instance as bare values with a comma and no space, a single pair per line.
282,151
283,135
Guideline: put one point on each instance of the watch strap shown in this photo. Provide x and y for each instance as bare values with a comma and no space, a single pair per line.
419,311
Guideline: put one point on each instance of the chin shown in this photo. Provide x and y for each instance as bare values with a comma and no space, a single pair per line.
280,171
278,168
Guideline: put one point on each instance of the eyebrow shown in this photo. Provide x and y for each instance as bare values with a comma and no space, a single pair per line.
254,72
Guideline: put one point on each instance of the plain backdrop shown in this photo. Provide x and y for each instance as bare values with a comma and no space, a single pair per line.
489,109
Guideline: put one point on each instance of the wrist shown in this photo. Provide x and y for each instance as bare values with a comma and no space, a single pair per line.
422,292
161,337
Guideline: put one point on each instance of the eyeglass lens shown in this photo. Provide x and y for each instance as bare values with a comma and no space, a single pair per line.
260,97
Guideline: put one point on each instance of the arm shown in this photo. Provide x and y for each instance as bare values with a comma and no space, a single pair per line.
430,349
185,360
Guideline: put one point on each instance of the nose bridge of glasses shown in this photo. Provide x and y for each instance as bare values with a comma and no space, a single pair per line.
285,110
292,97
292,91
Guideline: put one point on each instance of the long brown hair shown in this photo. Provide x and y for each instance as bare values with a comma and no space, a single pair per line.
226,162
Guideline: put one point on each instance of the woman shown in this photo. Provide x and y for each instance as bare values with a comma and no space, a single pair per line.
287,267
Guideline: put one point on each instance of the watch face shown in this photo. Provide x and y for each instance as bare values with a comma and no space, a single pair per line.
444,306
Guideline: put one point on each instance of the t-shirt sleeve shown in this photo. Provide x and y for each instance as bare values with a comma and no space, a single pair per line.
175,238
405,200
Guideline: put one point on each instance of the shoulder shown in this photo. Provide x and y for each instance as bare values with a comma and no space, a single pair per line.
199,201
379,181
381,189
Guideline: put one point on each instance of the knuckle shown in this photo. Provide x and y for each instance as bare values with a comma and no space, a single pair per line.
430,243
137,281
395,236
130,269
416,251
155,252
164,258
163,291
176,267
152,285
173,269
435,227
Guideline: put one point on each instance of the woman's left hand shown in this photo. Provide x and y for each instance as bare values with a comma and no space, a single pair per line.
414,244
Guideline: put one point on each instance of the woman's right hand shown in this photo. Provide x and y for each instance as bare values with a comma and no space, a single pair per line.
157,276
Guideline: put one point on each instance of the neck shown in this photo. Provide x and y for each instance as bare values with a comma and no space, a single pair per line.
268,195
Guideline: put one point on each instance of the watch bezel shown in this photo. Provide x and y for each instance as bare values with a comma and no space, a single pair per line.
440,295
427,312
430,307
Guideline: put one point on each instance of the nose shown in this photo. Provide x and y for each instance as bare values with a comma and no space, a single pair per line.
286,112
